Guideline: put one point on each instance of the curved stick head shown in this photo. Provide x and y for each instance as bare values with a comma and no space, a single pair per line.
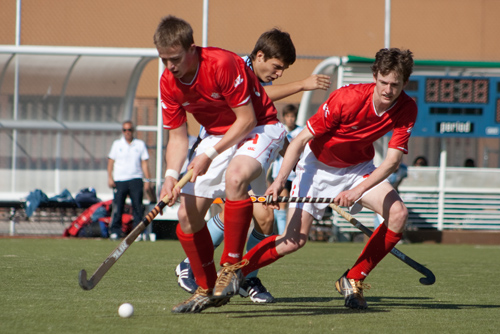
82,279
428,280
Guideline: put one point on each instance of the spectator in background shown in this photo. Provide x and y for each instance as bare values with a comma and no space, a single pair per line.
127,166
469,163
420,161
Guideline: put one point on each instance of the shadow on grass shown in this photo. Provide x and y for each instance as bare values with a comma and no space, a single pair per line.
297,311
303,306
305,300
294,307
424,303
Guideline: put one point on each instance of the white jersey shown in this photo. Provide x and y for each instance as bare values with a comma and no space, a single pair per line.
127,159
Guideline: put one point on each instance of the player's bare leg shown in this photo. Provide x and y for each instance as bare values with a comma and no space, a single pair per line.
275,247
296,232
264,219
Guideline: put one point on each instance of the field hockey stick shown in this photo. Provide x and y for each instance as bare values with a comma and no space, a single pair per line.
429,278
129,240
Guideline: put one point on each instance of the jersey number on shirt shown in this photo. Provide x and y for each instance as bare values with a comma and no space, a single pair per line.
254,141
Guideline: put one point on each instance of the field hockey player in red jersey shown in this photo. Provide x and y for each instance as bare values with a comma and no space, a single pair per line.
273,53
337,147
244,137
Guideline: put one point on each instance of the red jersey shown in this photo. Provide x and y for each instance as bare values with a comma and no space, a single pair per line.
346,126
223,81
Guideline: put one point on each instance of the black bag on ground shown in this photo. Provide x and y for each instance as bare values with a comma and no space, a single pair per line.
86,197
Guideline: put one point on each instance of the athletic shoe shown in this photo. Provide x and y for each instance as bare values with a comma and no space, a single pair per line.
352,290
258,293
199,301
229,279
185,277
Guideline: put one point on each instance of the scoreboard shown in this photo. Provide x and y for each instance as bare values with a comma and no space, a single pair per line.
456,106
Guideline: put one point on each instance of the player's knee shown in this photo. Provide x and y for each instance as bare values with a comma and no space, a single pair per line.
265,224
236,184
302,241
399,216
183,220
292,245
182,214
290,248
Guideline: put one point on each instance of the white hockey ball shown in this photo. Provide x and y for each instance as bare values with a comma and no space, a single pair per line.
126,310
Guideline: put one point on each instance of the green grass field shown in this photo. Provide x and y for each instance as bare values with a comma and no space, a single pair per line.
39,291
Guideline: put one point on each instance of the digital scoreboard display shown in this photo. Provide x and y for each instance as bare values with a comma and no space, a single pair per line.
456,106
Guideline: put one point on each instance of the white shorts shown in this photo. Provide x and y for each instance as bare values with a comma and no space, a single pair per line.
263,144
315,179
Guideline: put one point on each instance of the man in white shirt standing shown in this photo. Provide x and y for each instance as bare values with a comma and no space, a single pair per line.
127,165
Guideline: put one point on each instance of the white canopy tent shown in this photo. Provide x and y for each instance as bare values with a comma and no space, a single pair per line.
60,102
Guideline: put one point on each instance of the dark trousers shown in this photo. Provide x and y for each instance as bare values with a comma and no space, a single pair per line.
133,188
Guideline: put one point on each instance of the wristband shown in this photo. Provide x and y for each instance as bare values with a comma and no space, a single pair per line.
173,173
211,153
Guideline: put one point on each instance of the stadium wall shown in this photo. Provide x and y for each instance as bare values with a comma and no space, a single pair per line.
445,29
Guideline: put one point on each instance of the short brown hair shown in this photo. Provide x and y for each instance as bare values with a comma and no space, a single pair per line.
393,59
277,44
173,31
290,109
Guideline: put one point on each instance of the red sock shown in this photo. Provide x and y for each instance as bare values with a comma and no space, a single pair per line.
200,251
261,255
378,246
237,218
